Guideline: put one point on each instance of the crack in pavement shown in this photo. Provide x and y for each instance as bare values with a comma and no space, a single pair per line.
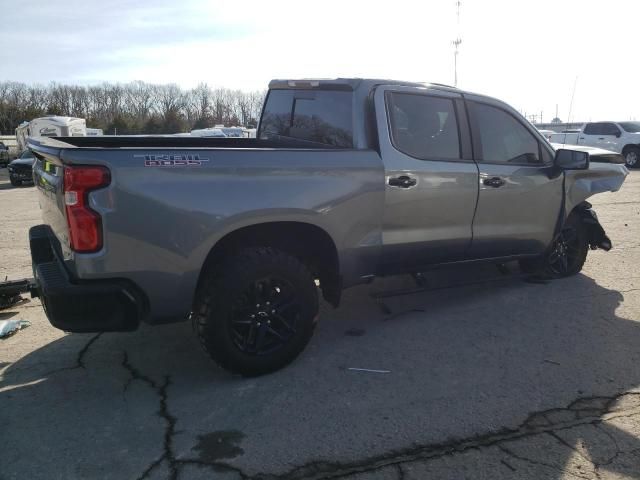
538,463
561,440
583,411
163,412
168,454
80,357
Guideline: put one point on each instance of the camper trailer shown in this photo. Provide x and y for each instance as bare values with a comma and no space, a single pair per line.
50,127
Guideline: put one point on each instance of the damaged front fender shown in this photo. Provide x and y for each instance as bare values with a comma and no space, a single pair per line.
582,184
598,178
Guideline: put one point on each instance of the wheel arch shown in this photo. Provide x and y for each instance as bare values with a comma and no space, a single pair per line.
307,242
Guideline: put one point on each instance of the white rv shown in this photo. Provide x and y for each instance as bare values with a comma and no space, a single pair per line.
50,127
94,132
208,132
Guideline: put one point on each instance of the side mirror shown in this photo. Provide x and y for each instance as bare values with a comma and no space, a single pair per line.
619,134
571,159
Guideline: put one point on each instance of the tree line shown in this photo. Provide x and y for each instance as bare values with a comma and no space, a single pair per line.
131,108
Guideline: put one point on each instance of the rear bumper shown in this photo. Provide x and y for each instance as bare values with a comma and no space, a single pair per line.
81,306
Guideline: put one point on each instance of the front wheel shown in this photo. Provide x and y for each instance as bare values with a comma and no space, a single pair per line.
632,157
256,311
566,255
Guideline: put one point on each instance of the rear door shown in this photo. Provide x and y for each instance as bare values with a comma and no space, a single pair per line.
589,135
520,191
609,138
431,179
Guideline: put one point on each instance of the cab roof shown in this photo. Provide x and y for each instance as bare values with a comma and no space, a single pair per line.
350,84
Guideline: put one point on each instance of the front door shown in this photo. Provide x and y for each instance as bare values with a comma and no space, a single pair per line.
520,190
431,179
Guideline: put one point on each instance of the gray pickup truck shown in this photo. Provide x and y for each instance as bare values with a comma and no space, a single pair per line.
347,179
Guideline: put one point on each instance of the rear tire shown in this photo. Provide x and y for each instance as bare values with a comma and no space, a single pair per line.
632,157
256,311
14,182
566,255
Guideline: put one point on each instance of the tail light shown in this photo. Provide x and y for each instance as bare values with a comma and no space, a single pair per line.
85,225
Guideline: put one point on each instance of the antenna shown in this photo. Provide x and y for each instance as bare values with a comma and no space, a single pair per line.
456,44
575,82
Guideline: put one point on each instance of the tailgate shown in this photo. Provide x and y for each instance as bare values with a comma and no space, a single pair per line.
48,175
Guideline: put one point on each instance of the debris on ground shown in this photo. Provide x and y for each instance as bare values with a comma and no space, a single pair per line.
369,370
10,327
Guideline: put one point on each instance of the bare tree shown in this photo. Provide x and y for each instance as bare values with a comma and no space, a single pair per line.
134,107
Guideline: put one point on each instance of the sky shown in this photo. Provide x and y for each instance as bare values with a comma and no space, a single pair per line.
532,54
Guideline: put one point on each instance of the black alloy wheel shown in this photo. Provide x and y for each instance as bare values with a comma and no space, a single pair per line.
265,316
565,257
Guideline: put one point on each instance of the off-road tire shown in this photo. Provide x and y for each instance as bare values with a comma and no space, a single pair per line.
225,286
544,267
632,157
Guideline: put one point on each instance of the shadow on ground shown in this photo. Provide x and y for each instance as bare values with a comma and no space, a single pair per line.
484,365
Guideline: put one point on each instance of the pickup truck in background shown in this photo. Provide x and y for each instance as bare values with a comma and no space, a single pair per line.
347,179
619,137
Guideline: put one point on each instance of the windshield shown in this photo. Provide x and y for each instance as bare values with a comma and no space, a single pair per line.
26,154
631,127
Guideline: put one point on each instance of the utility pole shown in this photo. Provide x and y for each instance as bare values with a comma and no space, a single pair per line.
456,44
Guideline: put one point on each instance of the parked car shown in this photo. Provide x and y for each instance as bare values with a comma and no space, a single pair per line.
21,169
619,137
348,179
4,155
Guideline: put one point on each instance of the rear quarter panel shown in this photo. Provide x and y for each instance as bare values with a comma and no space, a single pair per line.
160,223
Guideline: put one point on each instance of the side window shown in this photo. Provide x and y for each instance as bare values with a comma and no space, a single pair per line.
322,117
592,129
503,138
610,129
424,127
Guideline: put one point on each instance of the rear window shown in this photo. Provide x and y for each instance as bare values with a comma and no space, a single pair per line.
318,117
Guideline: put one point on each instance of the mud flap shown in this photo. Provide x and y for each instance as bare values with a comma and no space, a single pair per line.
596,234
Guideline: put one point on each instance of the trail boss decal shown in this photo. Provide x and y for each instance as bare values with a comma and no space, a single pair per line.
172,160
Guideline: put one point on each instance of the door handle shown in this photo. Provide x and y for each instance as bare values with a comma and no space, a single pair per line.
600,138
494,182
403,181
